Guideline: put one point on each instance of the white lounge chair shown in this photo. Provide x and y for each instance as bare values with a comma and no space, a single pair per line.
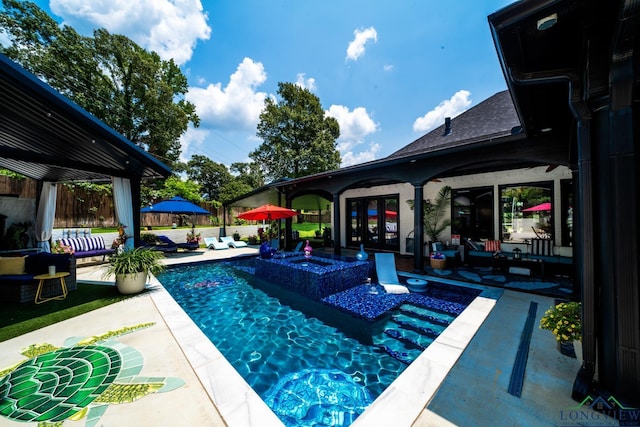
387,275
213,243
233,243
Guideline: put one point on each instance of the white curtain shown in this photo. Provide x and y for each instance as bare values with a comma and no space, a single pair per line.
46,215
123,206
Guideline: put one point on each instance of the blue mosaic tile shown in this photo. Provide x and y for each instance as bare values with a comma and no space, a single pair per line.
315,277
359,302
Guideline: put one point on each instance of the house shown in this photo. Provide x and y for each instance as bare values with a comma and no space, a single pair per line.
572,75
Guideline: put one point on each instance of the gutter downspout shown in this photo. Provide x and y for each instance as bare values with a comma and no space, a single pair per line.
585,245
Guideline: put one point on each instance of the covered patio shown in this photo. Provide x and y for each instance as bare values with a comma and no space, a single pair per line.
46,137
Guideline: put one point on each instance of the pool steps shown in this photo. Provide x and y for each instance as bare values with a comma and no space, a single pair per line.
410,330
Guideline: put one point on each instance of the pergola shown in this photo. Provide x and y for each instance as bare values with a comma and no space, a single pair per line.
45,136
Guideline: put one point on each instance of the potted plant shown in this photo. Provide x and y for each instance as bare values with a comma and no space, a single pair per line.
564,322
434,211
133,267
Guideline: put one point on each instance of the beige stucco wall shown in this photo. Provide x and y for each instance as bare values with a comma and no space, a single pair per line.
493,179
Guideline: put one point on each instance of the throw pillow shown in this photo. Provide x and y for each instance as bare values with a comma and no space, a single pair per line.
12,265
492,246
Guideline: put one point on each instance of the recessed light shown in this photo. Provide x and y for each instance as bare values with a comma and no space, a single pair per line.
547,22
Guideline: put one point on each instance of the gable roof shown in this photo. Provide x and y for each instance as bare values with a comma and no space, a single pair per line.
45,136
494,117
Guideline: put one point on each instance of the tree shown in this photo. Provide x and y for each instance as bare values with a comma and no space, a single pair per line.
232,190
130,89
248,173
210,175
299,139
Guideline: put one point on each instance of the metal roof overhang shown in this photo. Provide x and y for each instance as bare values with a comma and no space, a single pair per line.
45,136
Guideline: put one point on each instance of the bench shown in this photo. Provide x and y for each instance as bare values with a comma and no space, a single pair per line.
86,247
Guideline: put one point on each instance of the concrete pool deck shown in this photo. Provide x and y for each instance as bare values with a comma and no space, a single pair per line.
461,379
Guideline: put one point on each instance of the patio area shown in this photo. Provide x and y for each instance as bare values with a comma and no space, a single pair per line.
462,379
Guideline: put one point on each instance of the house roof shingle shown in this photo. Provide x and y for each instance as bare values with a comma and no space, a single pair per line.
493,118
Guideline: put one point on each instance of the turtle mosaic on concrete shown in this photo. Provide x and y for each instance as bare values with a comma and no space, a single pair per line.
76,381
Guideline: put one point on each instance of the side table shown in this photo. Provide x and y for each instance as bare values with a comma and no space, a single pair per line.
63,285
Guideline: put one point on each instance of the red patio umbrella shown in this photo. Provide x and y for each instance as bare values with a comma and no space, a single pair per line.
268,212
541,207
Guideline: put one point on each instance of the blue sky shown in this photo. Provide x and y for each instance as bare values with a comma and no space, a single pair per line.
387,71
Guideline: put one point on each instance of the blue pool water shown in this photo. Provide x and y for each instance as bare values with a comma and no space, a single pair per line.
310,372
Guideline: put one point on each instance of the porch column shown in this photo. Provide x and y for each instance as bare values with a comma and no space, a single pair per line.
418,232
288,240
336,224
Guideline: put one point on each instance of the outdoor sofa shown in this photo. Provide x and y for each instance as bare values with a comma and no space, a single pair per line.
17,283
478,254
86,247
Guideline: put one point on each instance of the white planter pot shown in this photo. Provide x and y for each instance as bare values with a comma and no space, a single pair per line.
131,283
577,348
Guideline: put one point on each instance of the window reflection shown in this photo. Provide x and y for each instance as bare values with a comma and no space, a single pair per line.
526,212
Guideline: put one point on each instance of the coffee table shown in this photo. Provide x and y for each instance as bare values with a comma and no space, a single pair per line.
63,286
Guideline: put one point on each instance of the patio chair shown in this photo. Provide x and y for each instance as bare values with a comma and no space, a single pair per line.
213,243
387,275
233,243
186,246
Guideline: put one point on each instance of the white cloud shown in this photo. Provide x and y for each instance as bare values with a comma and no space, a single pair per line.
388,67
354,124
356,47
458,103
169,27
190,141
309,83
354,127
350,158
237,105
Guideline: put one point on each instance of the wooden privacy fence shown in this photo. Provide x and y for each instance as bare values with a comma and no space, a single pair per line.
78,207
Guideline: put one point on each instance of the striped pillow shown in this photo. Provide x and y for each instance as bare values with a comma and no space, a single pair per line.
492,246
94,243
77,243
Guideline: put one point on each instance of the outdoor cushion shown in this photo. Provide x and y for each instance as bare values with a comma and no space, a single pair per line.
492,246
12,265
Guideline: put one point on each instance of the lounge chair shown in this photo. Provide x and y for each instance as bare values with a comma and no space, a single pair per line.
213,243
186,246
162,246
387,275
233,243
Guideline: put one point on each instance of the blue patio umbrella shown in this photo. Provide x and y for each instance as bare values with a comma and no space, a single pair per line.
176,205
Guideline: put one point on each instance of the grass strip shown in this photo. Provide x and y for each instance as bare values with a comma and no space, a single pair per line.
20,318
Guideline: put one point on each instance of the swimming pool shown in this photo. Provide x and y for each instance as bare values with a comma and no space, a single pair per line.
305,369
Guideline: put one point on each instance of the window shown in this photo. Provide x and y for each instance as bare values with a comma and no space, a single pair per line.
526,212
373,222
472,213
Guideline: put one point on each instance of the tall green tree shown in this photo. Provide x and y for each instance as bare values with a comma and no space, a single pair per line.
211,176
232,190
127,87
248,173
299,139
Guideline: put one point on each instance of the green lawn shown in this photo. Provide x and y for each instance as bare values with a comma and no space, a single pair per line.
19,318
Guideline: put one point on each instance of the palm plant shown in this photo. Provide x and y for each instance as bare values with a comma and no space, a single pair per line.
434,221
